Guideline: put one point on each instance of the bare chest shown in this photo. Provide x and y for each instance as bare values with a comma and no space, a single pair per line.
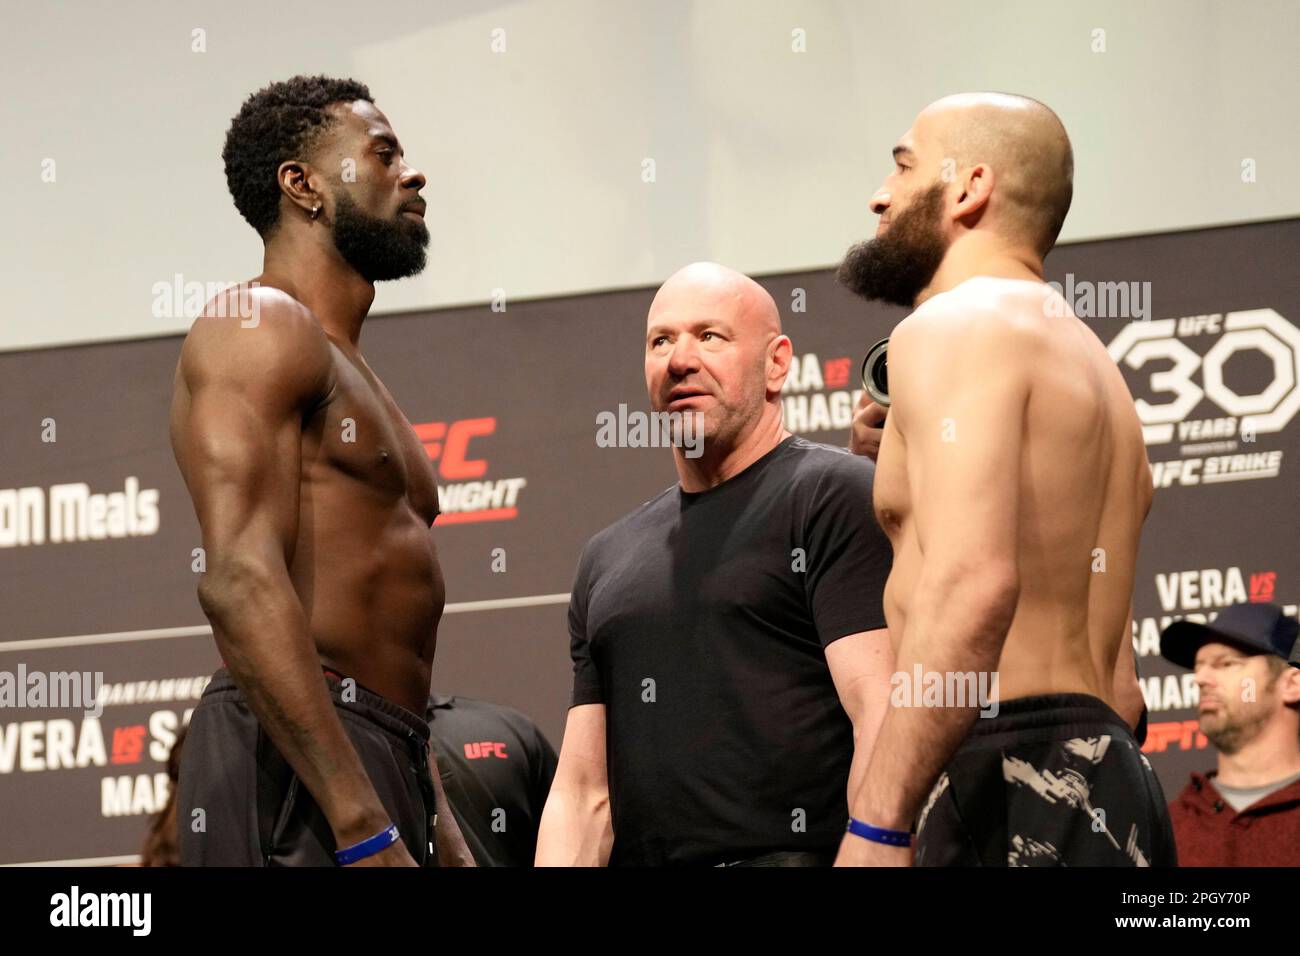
361,433
891,497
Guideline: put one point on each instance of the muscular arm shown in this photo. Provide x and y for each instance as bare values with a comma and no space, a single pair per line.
576,829
861,665
960,390
237,419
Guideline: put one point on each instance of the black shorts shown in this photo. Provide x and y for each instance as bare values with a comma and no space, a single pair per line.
1053,780
255,810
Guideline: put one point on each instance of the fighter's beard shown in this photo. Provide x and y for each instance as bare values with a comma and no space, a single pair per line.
896,267
379,249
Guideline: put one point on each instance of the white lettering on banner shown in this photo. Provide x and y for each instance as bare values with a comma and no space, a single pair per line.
819,412
1259,330
33,745
22,517
805,374
162,733
1205,471
74,513
150,691
480,495
1200,429
1171,692
807,406
132,796
1197,589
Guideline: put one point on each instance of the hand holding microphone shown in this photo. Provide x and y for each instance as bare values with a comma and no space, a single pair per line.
869,417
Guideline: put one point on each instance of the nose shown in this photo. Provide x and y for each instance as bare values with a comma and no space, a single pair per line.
880,201
684,358
412,178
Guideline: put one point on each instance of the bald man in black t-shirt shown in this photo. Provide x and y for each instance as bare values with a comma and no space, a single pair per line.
731,663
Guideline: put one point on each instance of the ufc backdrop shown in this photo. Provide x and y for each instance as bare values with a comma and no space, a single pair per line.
98,537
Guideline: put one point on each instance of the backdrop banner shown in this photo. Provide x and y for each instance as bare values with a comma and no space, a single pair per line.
104,651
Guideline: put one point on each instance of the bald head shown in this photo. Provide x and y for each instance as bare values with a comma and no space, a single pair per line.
708,286
714,347
1026,146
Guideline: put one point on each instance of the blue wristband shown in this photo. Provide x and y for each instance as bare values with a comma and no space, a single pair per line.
359,851
879,834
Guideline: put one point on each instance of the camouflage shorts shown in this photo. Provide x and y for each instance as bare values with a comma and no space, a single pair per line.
1054,780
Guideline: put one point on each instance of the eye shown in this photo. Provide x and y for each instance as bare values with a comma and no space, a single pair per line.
387,154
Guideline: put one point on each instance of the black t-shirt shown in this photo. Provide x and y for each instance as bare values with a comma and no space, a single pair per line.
496,768
700,621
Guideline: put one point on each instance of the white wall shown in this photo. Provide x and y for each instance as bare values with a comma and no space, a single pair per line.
765,157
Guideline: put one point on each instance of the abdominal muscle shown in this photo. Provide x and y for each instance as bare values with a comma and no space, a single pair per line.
369,580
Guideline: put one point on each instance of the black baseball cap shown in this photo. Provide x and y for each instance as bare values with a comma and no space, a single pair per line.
1256,628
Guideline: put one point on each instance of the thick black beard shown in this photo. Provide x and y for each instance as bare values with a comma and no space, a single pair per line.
379,249
898,265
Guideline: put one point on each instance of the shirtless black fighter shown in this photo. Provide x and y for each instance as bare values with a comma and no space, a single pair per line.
315,499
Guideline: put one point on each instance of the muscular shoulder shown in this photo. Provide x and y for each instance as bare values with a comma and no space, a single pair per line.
999,320
261,338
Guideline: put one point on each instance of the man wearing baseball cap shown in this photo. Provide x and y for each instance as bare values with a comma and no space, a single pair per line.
1246,812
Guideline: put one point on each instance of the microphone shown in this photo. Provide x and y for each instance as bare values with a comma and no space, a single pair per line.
875,372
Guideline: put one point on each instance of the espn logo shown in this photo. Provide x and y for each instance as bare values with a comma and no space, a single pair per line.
1185,733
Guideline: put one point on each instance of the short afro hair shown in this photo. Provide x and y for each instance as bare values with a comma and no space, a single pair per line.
276,124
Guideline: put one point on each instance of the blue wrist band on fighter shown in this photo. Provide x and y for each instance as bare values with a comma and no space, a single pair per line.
369,847
879,834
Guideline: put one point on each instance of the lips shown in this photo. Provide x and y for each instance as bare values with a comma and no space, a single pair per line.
678,394
416,210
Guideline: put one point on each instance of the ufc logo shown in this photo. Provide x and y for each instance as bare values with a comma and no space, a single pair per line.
1256,330
448,446
485,748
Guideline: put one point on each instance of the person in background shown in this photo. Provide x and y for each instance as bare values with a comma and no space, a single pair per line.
162,845
1246,812
496,767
